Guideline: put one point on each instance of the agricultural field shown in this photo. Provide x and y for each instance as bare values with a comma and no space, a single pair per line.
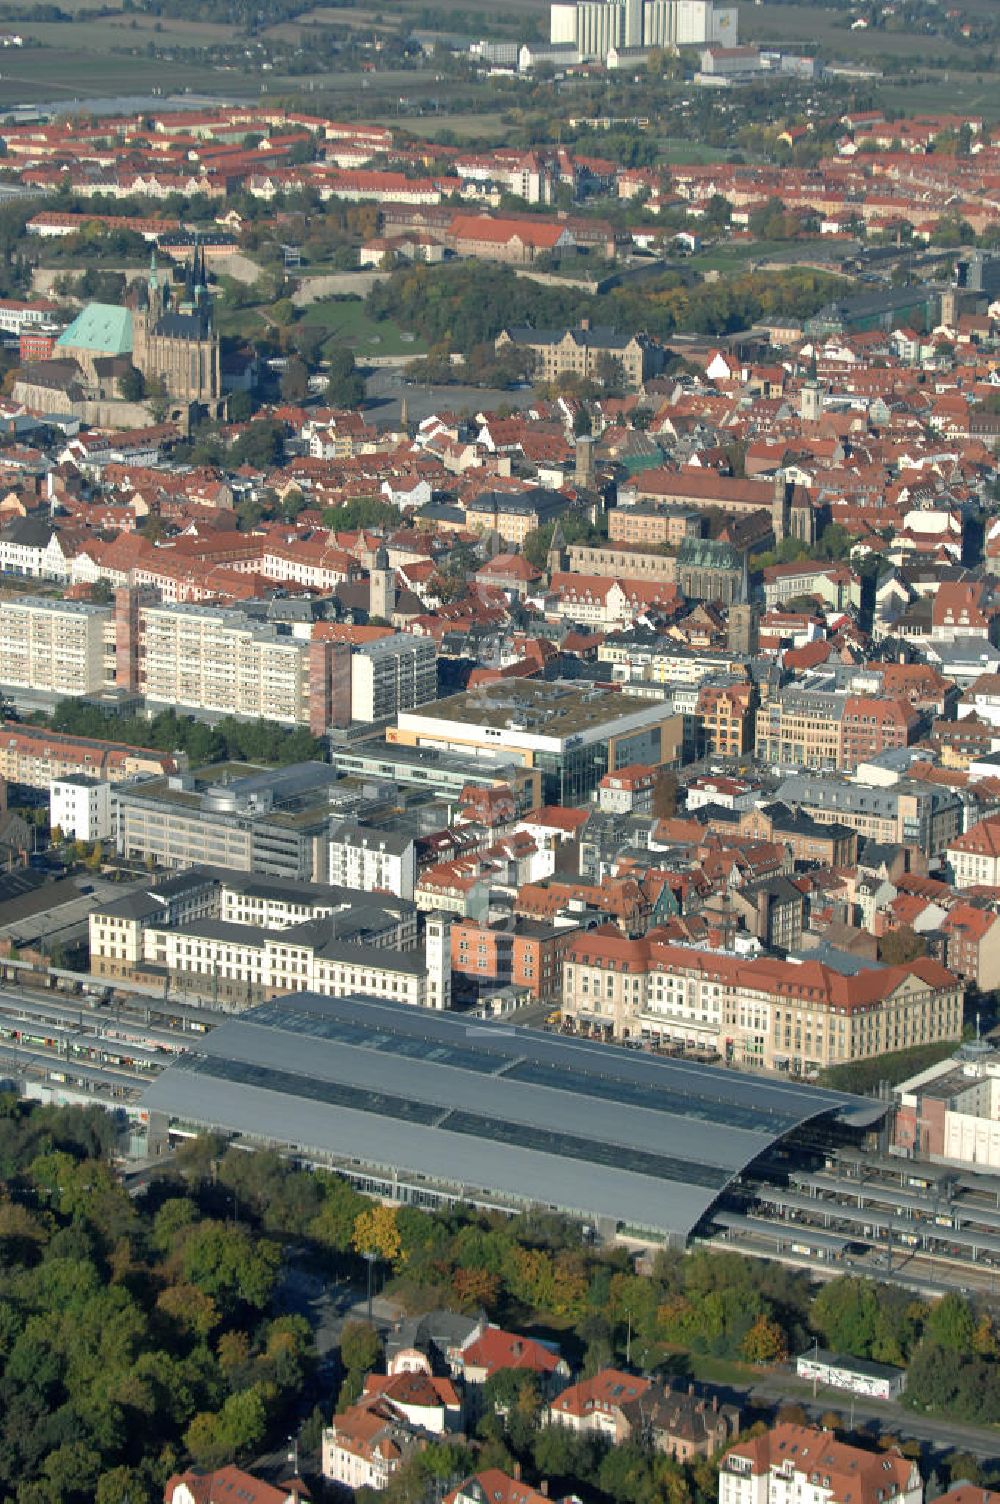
52,73
813,28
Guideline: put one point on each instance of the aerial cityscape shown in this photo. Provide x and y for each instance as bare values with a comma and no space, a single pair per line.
500,752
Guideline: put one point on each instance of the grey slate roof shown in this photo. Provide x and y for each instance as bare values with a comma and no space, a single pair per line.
587,1128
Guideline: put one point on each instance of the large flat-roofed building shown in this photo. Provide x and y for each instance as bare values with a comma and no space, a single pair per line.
248,819
53,648
443,773
572,736
428,1107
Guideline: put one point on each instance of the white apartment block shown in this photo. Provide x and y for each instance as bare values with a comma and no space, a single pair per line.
81,808
803,1465
392,674
207,658
373,861
55,647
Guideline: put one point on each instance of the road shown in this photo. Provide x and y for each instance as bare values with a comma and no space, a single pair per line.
326,1304
386,388
946,1435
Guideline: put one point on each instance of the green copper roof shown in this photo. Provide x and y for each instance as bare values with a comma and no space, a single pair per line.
100,327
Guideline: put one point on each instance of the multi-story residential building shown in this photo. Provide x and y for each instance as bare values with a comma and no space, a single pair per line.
80,807
727,714
805,839
773,911
392,674
619,1407
247,819
975,856
871,726
801,727
220,661
514,514
372,861
494,1487
54,648
830,729
222,1484
573,736
646,657
521,952
365,1444
776,1015
34,757
973,944
627,791
809,1466
596,1406
908,813
30,546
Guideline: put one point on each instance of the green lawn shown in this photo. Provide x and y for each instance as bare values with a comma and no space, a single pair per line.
733,257
349,324
686,153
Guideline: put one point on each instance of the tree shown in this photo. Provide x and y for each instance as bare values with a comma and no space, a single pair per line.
261,445
765,1342
359,1346
846,1313
132,385
345,387
901,945
294,380
240,407
950,1324
665,794
375,1231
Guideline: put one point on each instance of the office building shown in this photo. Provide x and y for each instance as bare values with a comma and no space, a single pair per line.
795,1016
572,736
908,813
248,819
238,941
